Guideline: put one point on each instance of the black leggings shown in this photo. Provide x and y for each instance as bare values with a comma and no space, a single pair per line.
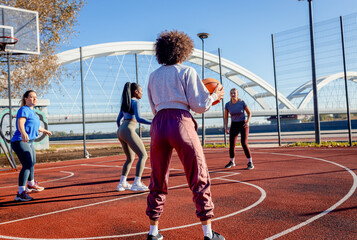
236,128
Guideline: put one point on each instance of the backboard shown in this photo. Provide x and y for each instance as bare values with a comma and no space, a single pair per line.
23,25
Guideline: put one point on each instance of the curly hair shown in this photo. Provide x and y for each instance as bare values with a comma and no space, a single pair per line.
173,47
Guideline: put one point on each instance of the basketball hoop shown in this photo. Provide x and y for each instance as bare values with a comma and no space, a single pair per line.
6,40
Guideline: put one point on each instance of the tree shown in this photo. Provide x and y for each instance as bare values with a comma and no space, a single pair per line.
57,19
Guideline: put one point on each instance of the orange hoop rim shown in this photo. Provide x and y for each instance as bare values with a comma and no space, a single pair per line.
15,40
3,44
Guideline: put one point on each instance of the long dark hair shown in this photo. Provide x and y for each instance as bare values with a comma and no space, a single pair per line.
128,93
26,95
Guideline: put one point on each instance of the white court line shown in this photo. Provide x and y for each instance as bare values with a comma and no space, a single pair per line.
75,165
263,195
97,165
66,166
45,169
229,175
87,205
348,195
69,209
112,160
333,207
53,180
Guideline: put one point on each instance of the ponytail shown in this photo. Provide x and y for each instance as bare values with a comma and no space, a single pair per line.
126,98
128,93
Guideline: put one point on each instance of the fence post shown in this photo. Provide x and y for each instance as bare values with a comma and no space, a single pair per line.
346,83
137,82
220,78
9,94
314,81
86,154
276,92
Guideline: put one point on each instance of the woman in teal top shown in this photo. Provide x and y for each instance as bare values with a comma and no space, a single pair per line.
27,128
129,139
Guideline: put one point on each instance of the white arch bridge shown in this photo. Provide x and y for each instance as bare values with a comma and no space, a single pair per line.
115,55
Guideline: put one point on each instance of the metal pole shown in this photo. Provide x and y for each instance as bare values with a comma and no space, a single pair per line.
220,78
9,92
276,92
9,148
203,36
137,82
346,83
86,154
314,82
10,105
8,81
203,77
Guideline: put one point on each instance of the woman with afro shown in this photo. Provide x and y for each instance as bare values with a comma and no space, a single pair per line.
174,90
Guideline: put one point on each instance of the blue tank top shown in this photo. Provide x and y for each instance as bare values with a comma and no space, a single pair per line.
32,123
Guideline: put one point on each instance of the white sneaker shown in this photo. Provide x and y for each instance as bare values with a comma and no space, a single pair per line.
250,166
139,187
123,186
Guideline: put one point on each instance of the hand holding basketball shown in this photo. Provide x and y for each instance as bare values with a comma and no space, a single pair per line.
214,86
219,90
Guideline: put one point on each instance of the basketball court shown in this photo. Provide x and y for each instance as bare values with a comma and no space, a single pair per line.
293,193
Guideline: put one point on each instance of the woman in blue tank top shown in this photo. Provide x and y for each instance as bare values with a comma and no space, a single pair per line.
129,139
27,128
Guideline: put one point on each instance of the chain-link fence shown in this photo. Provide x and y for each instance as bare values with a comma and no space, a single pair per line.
293,64
294,69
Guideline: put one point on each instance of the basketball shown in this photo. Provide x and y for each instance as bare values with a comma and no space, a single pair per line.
211,84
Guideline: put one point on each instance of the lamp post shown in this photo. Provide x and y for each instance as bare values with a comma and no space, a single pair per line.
203,36
314,82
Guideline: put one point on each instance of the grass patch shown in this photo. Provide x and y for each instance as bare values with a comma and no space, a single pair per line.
214,145
323,144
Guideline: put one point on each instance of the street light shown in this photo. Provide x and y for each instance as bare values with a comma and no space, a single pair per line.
203,36
314,82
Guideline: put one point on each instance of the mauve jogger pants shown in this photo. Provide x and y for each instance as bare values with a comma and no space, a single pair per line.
176,129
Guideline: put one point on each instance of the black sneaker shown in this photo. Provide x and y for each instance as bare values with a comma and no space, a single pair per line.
215,236
157,237
23,197
250,166
230,164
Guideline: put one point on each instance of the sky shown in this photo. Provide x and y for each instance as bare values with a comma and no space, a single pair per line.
242,29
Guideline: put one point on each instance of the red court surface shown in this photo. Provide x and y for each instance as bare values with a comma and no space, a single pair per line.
293,193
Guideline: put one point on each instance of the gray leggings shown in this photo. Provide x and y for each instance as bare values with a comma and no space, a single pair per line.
132,145
27,156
